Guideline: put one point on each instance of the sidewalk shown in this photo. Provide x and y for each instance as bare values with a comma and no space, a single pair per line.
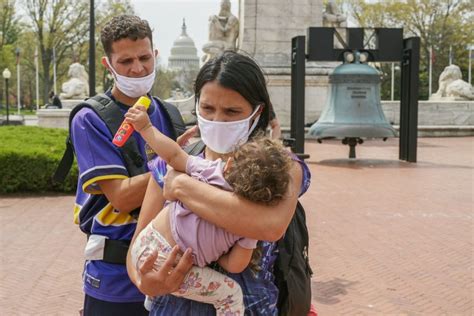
387,237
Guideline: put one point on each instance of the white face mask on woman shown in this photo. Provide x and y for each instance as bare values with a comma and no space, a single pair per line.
223,137
133,87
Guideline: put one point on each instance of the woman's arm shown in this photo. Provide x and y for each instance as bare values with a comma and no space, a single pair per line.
231,212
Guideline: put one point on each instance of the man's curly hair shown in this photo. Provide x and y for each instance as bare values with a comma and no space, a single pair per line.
124,26
260,170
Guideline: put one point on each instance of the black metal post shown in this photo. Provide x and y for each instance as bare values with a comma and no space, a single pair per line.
409,99
91,49
8,106
298,64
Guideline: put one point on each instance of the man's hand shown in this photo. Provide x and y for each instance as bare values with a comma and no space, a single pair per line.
183,140
168,278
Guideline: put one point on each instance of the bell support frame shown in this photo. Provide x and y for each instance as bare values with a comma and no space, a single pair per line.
387,45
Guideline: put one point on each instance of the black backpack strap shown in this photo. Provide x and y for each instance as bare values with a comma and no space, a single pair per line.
66,162
110,113
195,149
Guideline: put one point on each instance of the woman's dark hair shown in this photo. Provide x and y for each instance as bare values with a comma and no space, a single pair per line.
241,74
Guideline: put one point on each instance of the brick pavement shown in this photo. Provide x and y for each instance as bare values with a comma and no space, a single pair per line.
387,237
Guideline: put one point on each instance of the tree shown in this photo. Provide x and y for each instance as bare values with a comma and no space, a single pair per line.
10,30
440,24
58,24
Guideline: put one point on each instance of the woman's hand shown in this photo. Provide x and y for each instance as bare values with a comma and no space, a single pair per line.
171,185
168,278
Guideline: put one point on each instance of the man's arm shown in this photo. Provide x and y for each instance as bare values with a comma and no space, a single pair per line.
231,212
127,194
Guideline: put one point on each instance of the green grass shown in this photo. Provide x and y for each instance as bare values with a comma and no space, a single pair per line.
14,111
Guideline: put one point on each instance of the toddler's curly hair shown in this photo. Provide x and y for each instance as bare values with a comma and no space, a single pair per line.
260,170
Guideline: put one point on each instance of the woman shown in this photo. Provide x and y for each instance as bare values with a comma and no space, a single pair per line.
228,89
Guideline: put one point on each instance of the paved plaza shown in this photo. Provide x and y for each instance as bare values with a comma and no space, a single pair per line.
387,237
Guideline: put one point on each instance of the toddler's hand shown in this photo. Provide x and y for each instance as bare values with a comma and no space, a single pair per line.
138,117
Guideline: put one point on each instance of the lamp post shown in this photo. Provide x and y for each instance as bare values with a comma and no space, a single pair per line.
6,75
18,82
91,49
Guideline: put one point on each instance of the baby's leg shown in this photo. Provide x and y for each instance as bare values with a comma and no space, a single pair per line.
209,286
144,245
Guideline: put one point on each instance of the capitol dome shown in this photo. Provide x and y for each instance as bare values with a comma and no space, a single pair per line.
184,52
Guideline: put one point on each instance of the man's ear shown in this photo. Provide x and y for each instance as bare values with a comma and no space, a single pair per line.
157,52
103,60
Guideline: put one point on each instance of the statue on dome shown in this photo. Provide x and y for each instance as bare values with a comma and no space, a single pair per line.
223,32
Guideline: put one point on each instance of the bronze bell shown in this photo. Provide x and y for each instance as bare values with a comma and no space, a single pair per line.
353,111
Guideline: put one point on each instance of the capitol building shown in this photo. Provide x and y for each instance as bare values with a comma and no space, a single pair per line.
183,53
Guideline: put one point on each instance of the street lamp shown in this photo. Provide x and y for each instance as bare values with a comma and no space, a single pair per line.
6,75
18,97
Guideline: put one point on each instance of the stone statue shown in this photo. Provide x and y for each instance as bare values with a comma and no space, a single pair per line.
452,87
77,87
332,17
223,32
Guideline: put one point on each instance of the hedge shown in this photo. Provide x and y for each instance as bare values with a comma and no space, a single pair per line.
29,156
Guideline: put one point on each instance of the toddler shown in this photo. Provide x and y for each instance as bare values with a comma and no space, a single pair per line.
259,171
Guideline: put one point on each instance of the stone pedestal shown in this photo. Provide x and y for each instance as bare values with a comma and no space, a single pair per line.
435,113
56,118
266,30
70,103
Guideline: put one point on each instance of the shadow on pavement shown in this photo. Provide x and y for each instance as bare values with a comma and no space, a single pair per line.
327,292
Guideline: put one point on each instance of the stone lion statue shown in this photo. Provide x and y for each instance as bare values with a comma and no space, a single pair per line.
77,87
452,87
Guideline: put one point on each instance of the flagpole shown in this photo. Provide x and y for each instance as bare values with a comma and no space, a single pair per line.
392,82
450,55
470,47
37,79
18,81
54,70
430,72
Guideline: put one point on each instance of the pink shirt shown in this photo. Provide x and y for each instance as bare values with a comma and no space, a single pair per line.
207,241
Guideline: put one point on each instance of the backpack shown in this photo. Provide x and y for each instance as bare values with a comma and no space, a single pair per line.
110,113
292,270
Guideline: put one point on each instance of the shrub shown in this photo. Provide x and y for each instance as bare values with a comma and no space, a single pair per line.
29,156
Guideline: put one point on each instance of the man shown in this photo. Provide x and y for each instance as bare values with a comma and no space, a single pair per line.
107,194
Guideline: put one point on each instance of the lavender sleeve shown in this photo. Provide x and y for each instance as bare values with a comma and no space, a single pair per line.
247,243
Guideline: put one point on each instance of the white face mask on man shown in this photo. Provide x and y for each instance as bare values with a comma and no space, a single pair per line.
223,137
133,87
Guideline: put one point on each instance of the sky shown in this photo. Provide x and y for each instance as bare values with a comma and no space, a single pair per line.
166,17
